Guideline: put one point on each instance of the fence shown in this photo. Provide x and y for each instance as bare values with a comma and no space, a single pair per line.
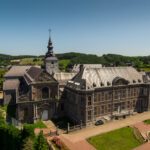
75,127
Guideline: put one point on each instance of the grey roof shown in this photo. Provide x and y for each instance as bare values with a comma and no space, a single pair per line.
11,84
35,74
64,76
76,68
52,58
89,78
32,74
16,71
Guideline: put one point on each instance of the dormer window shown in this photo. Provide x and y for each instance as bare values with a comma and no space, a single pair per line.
134,81
108,83
94,84
102,84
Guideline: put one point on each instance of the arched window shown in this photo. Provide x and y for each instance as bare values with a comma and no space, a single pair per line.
45,92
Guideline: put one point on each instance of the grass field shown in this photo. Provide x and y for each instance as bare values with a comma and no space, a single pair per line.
31,61
120,139
38,124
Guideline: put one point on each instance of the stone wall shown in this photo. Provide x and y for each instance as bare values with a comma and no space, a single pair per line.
90,105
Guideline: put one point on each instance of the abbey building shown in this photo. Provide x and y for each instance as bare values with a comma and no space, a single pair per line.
91,93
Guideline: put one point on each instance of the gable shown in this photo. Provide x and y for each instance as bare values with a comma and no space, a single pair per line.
45,77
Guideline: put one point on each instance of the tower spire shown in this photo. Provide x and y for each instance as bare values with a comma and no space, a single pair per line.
49,46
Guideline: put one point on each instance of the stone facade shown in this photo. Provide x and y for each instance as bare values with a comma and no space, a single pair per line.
36,96
114,100
31,92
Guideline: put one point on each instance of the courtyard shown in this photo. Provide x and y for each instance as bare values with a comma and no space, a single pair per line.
75,138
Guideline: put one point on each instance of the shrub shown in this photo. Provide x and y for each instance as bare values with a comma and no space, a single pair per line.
40,142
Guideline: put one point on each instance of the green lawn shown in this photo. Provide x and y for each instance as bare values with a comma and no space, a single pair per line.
38,124
147,121
120,139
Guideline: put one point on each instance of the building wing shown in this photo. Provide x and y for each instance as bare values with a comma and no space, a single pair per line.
11,84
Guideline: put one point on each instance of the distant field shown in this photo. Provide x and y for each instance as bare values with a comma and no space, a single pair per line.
31,61
120,139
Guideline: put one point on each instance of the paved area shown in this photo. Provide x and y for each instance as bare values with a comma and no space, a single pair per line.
79,145
145,146
80,136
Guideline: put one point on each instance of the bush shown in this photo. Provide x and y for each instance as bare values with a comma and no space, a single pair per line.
10,138
40,142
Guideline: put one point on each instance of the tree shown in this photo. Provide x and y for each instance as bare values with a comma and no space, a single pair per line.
28,131
40,142
28,144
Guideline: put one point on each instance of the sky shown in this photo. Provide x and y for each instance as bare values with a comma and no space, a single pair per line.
86,26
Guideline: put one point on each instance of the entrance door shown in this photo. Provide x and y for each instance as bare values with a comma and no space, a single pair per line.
45,115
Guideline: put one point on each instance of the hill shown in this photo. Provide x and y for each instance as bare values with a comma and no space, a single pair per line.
67,60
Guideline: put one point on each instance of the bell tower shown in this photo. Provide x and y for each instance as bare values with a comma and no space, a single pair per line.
51,61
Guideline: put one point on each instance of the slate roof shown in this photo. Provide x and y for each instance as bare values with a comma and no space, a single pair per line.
76,68
89,78
17,71
11,84
35,74
32,74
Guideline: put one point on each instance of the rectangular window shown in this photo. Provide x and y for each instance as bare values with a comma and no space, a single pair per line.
116,94
95,97
89,100
109,107
89,115
128,104
106,96
96,111
102,109
102,96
